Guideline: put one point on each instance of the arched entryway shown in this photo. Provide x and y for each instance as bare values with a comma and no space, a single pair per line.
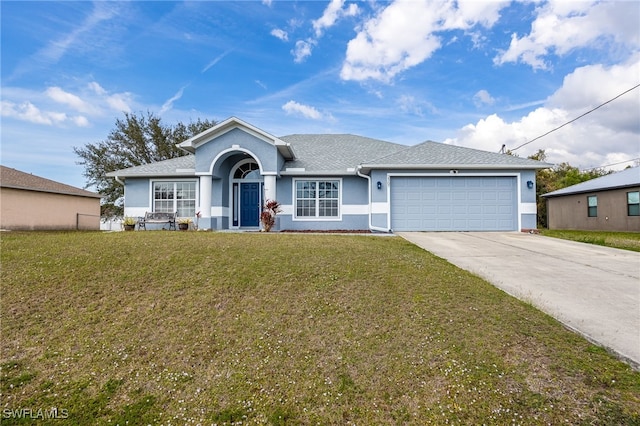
246,194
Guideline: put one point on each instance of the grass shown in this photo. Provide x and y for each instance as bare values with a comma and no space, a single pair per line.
621,240
284,329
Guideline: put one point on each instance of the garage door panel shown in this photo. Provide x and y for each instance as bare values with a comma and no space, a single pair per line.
454,203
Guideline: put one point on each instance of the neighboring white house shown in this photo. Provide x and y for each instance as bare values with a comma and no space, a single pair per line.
29,202
335,182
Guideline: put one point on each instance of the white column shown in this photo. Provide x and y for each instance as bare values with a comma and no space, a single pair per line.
269,187
205,199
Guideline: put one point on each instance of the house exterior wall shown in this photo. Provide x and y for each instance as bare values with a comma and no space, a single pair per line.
229,144
570,212
354,208
34,210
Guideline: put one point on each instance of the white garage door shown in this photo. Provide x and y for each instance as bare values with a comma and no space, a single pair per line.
454,203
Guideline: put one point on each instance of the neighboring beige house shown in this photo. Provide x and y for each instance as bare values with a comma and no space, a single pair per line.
29,202
608,203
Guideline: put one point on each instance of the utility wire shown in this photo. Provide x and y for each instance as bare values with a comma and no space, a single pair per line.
609,165
577,118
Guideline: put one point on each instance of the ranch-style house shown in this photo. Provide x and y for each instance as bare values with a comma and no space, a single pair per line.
334,182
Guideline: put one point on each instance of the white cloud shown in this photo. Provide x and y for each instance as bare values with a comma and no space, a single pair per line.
80,121
119,102
302,50
482,98
169,103
404,34
26,111
69,99
561,26
94,86
332,13
215,60
56,106
295,108
409,104
280,34
88,35
609,134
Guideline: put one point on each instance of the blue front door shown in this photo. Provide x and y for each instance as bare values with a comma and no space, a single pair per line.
249,204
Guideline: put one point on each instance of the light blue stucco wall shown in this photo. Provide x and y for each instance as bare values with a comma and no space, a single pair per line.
136,193
354,193
264,152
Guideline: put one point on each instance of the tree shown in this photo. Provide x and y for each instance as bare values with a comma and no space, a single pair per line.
558,177
135,140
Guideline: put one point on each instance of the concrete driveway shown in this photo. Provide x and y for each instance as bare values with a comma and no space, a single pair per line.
591,289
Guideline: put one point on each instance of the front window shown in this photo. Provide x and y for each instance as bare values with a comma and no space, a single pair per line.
169,197
592,203
317,199
249,170
633,203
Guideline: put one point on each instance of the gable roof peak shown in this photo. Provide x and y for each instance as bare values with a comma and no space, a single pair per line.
228,125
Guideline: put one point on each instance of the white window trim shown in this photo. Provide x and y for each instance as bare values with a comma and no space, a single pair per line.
152,183
294,216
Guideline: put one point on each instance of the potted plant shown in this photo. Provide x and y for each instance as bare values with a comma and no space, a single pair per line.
183,223
129,223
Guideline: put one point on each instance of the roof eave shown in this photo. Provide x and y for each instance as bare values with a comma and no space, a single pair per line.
367,167
87,194
319,173
588,191
232,123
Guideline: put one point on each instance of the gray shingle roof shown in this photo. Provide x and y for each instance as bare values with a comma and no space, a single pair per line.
15,179
179,166
335,153
435,154
343,153
622,179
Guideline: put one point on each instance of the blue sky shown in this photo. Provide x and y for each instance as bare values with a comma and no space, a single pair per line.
470,73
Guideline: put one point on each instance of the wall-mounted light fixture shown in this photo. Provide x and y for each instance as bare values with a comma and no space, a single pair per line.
529,184
379,185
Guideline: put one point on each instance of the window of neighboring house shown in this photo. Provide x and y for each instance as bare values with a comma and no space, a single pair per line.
317,199
169,197
592,203
633,203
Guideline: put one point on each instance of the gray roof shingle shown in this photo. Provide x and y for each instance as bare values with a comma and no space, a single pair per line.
179,166
435,154
343,153
15,179
625,178
335,153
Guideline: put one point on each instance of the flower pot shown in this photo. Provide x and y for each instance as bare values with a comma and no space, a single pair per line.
183,226
129,227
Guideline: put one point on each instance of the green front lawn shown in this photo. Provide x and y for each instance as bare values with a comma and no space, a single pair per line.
217,328
621,240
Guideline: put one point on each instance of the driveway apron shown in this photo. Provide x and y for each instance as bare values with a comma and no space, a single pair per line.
591,289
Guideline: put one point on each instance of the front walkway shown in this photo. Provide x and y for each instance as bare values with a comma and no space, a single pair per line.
591,289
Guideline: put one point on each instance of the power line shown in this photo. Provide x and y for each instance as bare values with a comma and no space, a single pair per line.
609,165
577,118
